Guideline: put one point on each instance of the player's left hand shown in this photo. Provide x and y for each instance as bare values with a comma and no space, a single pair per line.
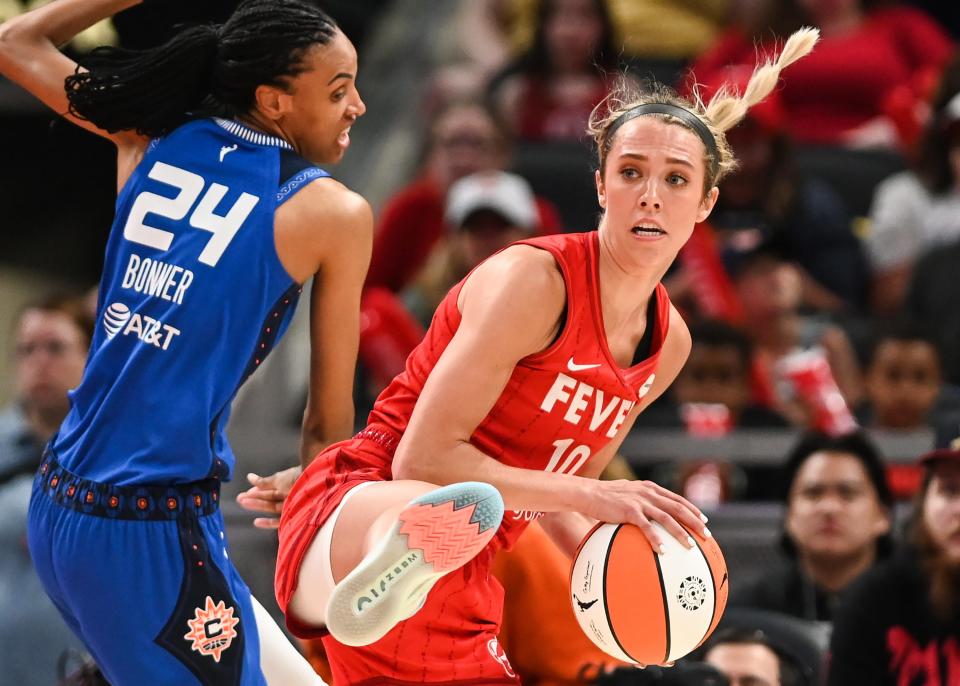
267,494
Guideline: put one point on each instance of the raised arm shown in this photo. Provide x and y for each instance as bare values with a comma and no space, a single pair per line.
511,308
29,56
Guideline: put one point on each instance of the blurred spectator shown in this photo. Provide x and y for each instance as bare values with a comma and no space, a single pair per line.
933,298
711,397
465,137
712,394
900,623
845,91
548,92
916,211
904,381
486,212
946,13
655,37
52,337
683,674
837,525
749,658
664,29
789,347
538,617
766,200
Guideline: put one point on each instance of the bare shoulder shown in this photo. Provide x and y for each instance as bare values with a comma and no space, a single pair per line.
521,273
679,341
325,223
518,294
330,204
327,213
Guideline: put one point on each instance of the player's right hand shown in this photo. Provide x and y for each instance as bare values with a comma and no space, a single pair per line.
642,502
267,494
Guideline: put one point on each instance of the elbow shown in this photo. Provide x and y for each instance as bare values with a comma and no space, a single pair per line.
403,468
13,34
8,38
409,464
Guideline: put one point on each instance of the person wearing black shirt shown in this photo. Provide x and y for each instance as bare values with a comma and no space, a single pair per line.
900,623
837,525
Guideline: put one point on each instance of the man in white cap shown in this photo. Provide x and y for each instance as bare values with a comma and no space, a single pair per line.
488,211
485,212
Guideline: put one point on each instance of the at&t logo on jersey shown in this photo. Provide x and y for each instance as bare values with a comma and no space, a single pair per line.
118,320
114,318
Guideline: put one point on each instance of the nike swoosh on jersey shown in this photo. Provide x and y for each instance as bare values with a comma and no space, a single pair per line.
574,367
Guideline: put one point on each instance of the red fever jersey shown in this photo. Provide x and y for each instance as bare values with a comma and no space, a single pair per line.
560,407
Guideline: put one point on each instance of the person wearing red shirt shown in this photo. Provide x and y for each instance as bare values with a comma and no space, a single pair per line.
465,137
530,377
847,91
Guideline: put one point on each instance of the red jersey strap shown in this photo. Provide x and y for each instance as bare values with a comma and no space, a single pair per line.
578,255
572,255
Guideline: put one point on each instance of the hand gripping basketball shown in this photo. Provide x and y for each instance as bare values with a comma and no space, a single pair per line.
643,503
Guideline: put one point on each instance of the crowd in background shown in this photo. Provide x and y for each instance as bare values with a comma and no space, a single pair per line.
821,295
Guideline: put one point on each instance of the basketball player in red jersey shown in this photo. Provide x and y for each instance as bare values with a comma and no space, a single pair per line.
530,377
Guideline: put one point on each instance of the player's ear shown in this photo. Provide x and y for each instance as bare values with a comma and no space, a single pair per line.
272,101
601,189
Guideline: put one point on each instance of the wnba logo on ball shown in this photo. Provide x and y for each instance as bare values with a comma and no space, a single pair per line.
693,592
115,316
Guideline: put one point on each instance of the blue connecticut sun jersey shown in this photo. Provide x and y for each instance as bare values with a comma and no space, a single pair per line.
193,297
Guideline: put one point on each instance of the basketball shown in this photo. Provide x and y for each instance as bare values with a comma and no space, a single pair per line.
641,607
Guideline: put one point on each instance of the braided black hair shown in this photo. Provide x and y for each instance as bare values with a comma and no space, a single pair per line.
202,71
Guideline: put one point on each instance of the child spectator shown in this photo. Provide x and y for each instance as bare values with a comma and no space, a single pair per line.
717,374
904,381
789,346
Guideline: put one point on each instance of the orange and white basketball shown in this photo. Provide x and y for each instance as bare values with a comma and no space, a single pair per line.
641,607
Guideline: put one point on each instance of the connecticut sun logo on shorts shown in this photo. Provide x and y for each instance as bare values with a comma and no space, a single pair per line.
212,629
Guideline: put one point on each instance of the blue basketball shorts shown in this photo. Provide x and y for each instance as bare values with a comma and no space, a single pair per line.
141,575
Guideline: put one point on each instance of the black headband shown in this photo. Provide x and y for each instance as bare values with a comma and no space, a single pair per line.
681,113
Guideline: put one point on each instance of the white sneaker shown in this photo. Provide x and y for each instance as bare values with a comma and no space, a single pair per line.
435,534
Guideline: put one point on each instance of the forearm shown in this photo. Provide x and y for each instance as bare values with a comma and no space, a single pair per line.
315,438
61,20
522,489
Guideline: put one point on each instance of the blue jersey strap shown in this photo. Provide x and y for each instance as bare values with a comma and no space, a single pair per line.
295,173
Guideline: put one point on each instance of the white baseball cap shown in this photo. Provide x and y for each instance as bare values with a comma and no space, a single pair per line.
509,195
951,111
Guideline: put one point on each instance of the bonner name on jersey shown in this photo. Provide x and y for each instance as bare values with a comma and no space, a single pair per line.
159,279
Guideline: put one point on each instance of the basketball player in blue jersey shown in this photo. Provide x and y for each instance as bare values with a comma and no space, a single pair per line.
221,216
